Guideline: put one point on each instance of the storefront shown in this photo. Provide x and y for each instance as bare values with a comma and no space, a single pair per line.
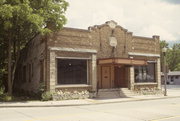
105,56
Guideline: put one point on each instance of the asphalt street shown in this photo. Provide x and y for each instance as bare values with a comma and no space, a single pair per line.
151,110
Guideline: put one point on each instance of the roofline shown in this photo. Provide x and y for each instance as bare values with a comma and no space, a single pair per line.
76,29
142,37
80,50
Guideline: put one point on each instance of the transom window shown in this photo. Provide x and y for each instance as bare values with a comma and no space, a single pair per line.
145,73
72,71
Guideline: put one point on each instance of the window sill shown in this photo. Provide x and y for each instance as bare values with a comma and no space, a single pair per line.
73,86
146,83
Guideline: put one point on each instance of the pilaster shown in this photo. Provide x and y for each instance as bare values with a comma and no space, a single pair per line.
158,73
131,78
52,71
94,72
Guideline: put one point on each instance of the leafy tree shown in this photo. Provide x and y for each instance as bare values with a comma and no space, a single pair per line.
173,58
22,20
3,60
177,68
163,44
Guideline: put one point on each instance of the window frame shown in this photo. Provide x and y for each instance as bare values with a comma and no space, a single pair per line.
74,58
146,72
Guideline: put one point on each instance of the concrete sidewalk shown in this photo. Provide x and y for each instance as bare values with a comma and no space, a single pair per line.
172,92
81,101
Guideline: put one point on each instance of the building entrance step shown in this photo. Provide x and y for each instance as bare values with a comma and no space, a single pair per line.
115,93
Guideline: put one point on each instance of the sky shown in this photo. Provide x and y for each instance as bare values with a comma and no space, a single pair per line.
142,17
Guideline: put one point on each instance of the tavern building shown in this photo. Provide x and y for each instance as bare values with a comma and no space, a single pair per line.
105,56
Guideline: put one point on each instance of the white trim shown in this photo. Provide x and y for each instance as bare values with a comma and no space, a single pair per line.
152,61
144,54
145,83
73,50
71,85
78,58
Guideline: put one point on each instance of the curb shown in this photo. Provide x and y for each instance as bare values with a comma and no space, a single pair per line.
97,103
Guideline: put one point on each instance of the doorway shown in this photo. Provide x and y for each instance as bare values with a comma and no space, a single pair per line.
106,77
120,77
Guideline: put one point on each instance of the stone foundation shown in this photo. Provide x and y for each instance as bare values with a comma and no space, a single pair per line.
69,95
147,90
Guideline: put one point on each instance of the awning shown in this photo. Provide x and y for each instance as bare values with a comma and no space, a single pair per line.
122,61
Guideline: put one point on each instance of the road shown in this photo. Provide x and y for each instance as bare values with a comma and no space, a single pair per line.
151,110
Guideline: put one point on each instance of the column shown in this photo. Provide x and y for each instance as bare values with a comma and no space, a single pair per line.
158,73
52,71
94,73
131,78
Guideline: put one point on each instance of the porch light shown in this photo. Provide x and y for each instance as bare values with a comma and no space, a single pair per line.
164,50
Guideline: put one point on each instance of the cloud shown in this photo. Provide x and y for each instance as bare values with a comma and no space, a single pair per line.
158,30
142,17
173,1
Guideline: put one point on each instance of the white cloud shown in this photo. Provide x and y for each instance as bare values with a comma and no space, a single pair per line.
142,17
157,30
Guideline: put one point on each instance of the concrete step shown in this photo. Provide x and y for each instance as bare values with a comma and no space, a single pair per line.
126,92
108,94
108,90
115,93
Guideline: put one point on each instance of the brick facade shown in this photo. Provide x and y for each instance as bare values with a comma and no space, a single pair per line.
92,44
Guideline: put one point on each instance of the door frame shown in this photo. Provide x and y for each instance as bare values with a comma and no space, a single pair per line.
101,77
121,79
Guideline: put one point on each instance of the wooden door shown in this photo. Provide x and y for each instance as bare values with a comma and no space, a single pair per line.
120,77
106,77
116,77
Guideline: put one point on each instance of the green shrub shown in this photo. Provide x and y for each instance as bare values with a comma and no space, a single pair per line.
46,96
2,91
41,88
7,97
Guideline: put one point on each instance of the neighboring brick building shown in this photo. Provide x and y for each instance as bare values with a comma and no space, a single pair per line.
104,56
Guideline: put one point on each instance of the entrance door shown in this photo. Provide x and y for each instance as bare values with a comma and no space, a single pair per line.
120,77
106,77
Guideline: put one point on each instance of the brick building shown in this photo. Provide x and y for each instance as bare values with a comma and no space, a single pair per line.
103,57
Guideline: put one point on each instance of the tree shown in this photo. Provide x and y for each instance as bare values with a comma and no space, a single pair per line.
163,44
22,20
3,71
177,68
173,58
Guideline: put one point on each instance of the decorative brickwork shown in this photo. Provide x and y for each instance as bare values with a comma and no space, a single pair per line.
92,44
